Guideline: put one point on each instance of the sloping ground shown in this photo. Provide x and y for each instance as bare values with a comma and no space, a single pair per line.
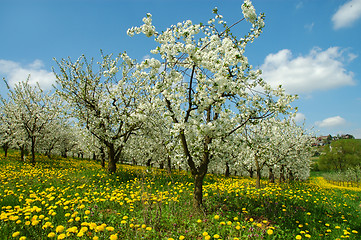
76,199
320,181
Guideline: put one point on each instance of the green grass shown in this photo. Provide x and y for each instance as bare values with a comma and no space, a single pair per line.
146,203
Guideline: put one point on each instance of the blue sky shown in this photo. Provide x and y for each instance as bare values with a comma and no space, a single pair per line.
311,47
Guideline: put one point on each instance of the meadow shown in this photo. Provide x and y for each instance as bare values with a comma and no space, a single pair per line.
77,199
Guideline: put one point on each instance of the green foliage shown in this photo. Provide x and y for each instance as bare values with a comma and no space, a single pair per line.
341,154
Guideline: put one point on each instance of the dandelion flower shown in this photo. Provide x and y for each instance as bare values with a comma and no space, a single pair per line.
51,235
59,229
113,237
62,236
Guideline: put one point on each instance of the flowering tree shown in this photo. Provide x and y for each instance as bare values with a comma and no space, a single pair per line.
275,145
290,151
207,87
154,144
32,111
109,102
59,137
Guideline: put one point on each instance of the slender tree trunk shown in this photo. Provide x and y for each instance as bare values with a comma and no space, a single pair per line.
48,154
227,173
282,174
169,164
5,148
258,172
112,167
290,175
198,191
33,151
149,162
271,175
251,173
22,153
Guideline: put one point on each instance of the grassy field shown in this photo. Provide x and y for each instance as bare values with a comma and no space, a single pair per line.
76,199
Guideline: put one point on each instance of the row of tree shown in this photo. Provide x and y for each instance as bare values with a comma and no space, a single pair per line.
199,106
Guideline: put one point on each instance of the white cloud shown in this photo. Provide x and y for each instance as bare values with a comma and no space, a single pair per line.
300,117
146,57
347,14
331,122
16,72
319,70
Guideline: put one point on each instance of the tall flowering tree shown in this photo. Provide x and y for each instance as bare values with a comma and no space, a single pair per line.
206,85
109,101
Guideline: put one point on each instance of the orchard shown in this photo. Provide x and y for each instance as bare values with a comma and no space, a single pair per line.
195,125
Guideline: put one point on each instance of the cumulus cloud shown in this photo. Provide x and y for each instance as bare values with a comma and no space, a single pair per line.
16,72
319,70
347,14
331,122
300,117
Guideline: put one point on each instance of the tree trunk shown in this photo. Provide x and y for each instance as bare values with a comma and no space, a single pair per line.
282,174
290,175
22,153
33,151
198,192
250,173
112,167
48,154
149,162
169,164
227,173
258,172
271,176
5,148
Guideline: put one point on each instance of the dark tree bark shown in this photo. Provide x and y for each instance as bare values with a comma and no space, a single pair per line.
169,164
271,175
112,161
227,173
5,148
32,161
282,174
258,172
